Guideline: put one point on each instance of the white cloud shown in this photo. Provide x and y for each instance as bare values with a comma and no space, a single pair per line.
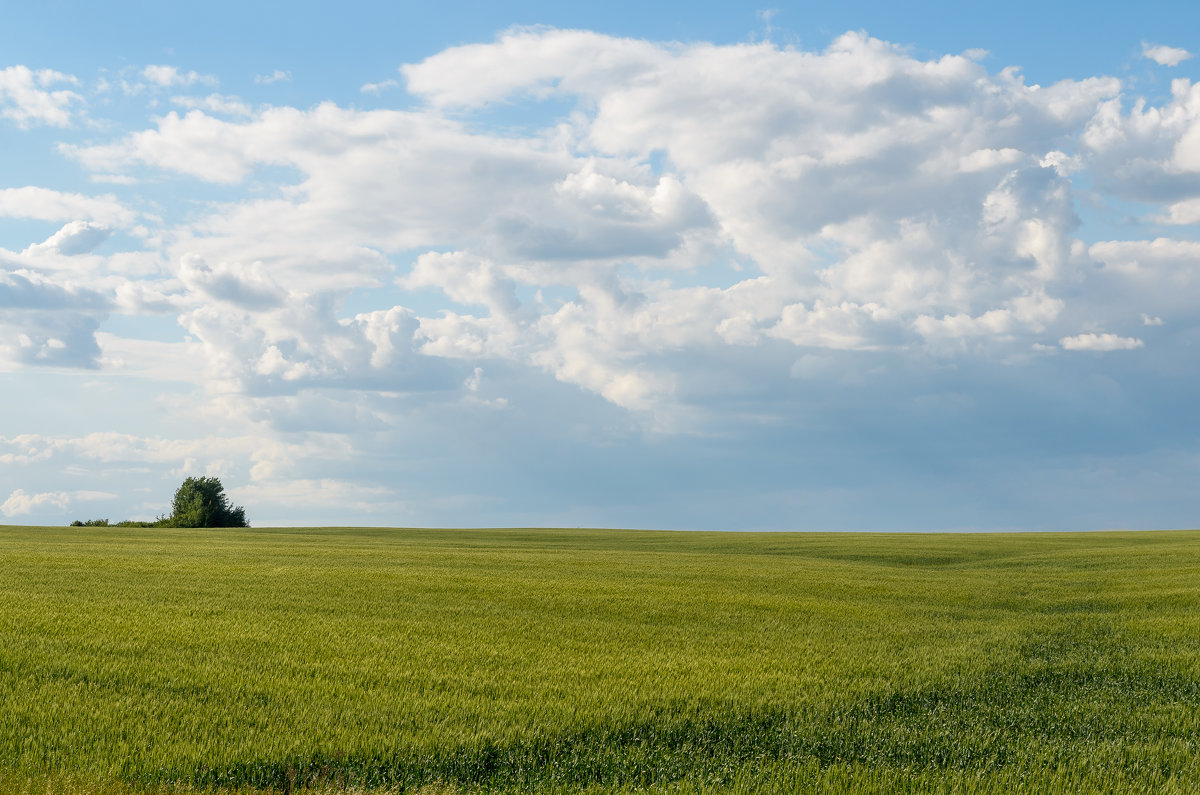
380,87
277,76
170,76
49,317
1092,341
25,98
466,279
55,294
267,458
1181,213
161,361
1154,279
529,60
44,204
245,287
23,449
115,179
1141,256
987,159
1063,164
1165,56
196,144
214,103
43,339
76,237
845,326
19,502
1150,153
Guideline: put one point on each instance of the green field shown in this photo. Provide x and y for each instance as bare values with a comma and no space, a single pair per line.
563,660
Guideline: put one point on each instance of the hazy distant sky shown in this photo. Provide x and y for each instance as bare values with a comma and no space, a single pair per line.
685,265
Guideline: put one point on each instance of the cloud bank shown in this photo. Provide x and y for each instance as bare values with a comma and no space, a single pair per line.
852,254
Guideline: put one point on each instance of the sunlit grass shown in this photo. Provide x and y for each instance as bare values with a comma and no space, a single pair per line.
553,660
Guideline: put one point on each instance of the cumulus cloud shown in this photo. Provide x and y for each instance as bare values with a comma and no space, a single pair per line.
1092,341
52,299
39,339
1145,256
259,336
245,287
77,237
196,144
1163,55
27,98
1149,153
465,279
25,290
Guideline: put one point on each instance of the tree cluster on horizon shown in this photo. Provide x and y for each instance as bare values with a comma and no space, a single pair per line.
198,502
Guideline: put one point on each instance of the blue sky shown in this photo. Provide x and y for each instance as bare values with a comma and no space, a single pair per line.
869,266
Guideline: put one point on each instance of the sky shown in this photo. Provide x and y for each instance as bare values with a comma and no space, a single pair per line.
809,266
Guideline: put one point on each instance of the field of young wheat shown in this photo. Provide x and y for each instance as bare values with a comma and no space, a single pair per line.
137,660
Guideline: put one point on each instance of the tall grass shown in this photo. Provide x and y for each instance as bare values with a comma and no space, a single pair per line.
548,660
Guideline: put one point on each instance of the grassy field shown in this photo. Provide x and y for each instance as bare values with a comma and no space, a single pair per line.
137,660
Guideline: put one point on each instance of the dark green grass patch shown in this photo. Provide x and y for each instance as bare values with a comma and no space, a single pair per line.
1068,703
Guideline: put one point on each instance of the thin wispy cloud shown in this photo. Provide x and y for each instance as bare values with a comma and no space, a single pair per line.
277,76
164,76
379,88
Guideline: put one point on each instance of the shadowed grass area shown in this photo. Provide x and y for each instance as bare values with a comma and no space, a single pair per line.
547,660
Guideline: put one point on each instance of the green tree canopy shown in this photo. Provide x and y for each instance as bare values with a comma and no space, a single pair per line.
201,502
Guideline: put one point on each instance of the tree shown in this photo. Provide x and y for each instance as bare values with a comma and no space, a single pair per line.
201,502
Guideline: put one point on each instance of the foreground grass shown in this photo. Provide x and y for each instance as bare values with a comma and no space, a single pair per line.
171,661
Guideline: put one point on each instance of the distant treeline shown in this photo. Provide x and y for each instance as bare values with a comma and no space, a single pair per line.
161,522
